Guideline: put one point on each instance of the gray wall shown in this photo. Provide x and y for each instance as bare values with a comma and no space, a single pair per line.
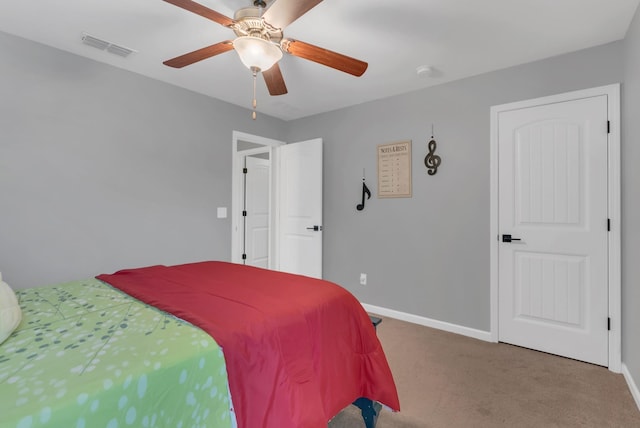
429,255
631,201
102,169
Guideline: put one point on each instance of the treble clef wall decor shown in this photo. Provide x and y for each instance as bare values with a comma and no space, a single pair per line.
432,161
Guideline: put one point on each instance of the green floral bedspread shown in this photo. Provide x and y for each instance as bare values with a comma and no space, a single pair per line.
87,355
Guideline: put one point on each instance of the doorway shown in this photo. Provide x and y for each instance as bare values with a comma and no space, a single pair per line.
555,261
277,204
253,222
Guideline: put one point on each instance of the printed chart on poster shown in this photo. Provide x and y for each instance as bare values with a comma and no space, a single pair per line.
394,170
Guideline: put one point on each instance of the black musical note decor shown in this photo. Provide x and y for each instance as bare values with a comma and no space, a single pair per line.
365,190
432,161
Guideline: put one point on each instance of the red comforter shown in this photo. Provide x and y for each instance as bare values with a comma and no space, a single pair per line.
297,349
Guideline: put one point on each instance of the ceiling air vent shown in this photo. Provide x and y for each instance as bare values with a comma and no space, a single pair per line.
104,45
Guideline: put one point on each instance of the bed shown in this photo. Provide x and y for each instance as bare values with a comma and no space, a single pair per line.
208,344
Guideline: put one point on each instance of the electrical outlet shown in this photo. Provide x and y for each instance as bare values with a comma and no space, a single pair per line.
363,279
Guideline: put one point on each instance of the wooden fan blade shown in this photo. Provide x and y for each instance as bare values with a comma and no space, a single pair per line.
274,80
201,10
283,12
325,57
199,55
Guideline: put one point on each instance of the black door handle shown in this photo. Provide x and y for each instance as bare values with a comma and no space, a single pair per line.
315,228
508,238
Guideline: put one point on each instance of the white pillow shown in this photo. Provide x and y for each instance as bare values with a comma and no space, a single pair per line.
10,312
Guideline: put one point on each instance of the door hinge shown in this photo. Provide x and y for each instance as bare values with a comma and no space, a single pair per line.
608,225
609,324
244,257
608,127
244,213
245,170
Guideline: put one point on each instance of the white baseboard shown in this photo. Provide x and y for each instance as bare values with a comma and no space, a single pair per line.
428,322
633,387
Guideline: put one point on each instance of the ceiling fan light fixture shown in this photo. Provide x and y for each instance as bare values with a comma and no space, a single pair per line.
255,52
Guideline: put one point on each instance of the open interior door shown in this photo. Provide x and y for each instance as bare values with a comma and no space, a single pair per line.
257,208
299,247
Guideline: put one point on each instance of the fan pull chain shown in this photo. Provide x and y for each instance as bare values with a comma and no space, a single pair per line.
254,70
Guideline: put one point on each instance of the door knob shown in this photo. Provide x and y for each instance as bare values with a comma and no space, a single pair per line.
315,228
508,238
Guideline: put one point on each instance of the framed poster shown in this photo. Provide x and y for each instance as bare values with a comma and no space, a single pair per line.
394,170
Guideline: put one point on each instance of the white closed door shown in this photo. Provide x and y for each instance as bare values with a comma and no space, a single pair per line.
300,208
257,209
552,202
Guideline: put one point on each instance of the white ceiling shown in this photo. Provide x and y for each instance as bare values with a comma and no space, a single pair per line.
457,38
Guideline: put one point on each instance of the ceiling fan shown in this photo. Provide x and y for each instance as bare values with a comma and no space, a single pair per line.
260,41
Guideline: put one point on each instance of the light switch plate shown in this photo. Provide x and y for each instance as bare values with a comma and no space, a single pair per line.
222,212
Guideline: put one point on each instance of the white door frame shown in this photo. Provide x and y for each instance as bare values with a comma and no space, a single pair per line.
615,294
237,189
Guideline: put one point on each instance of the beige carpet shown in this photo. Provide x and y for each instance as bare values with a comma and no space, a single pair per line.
448,380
